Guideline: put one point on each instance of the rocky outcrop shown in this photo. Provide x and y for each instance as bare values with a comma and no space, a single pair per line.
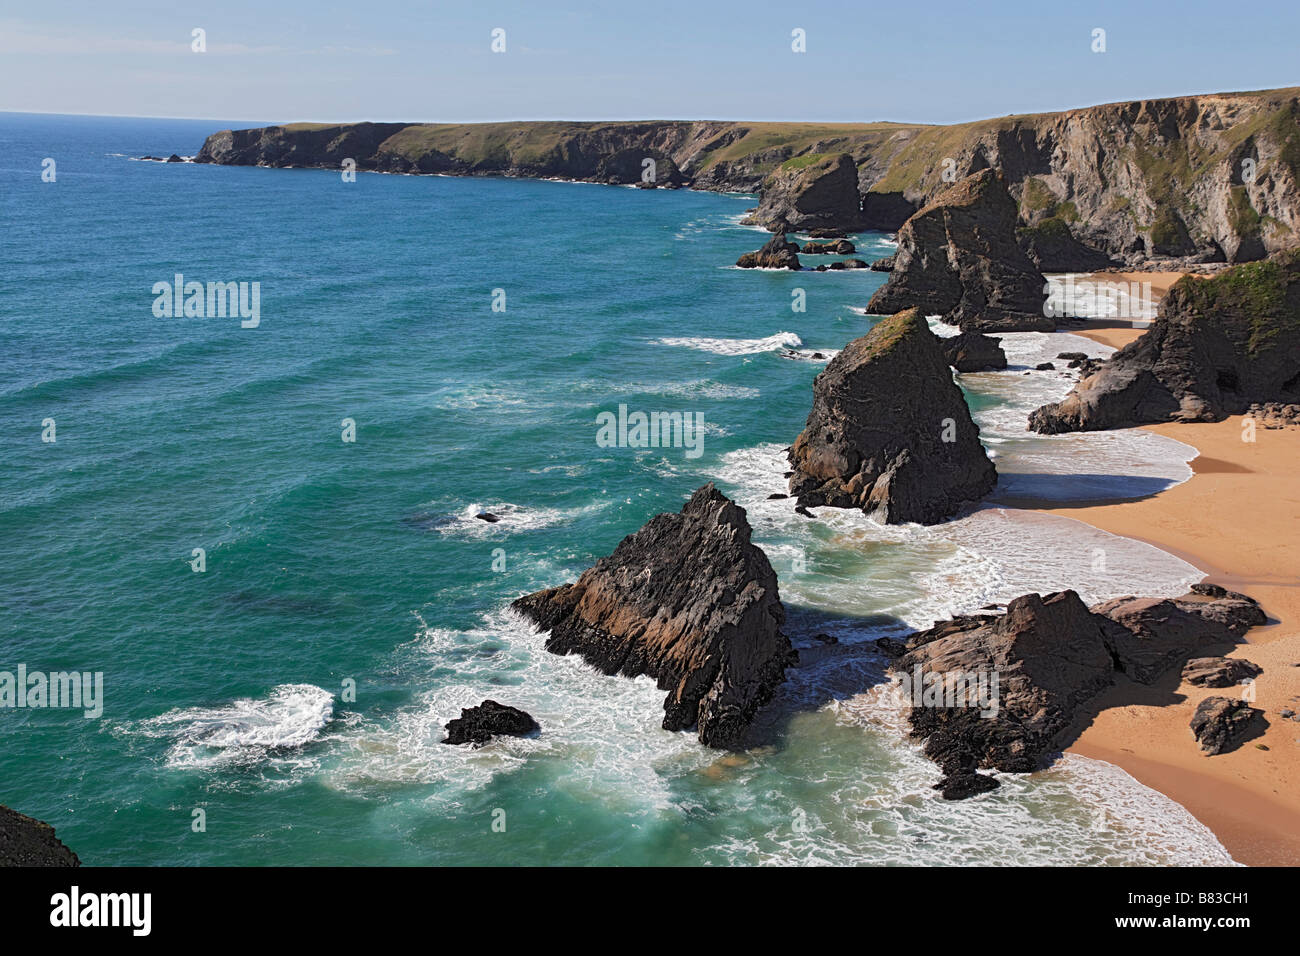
1219,671
1218,345
889,431
883,265
973,352
837,247
25,841
777,253
1220,724
1052,656
958,258
478,725
1157,633
688,600
821,194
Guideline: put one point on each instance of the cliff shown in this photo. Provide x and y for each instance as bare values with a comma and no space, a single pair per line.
1207,177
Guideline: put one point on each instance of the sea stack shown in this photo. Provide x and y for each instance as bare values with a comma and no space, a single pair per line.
958,258
889,431
688,600
777,253
1217,346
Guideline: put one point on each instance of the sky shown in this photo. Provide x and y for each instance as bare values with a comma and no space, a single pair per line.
933,61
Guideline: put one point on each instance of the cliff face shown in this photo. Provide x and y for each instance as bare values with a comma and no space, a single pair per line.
889,431
688,600
1217,346
1210,177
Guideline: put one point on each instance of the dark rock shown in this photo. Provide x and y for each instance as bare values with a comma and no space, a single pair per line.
891,647
1157,633
488,516
173,158
889,431
25,841
826,234
821,195
1221,724
688,600
1052,247
1053,656
883,265
960,786
958,258
973,352
826,638
1072,356
886,211
1217,345
1219,671
840,247
478,725
776,497
1044,366
853,264
801,510
777,253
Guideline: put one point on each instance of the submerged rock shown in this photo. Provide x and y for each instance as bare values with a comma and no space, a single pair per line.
478,725
1217,345
958,258
889,431
688,600
25,841
1220,724
973,352
777,253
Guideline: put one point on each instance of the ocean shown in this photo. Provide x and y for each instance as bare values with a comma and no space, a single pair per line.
284,704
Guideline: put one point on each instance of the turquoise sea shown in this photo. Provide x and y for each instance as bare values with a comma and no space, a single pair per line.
332,564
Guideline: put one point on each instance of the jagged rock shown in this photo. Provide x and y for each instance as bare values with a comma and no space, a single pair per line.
1275,414
1052,657
478,725
848,264
883,265
688,600
1219,671
960,786
820,195
25,841
1157,633
1217,345
488,516
958,258
1220,724
1072,356
827,234
973,352
777,253
889,431
173,158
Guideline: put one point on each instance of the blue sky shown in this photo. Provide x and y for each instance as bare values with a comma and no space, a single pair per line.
936,61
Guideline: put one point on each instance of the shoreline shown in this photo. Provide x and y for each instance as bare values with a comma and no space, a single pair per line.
1235,520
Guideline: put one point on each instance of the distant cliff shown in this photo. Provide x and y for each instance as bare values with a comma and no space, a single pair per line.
1196,178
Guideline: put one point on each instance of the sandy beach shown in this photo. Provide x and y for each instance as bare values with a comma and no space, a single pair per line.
1235,519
